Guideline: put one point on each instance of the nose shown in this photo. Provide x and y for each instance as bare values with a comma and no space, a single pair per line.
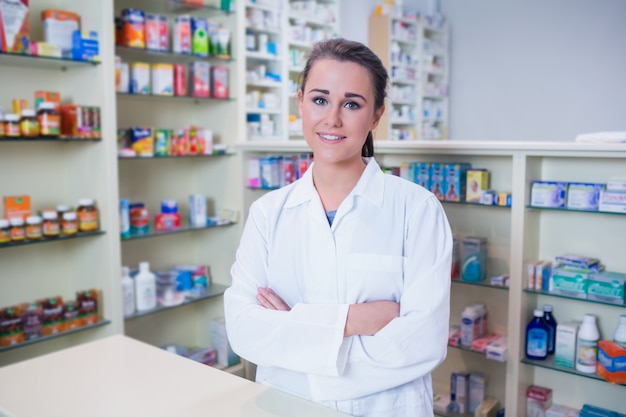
333,116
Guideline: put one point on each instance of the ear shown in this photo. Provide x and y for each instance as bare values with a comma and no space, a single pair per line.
377,115
300,98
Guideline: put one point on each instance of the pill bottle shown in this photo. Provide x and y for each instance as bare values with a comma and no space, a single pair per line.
49,120
29,126
18,231
33,228
5,231
87,215
12,125
61,210
50,225
69,224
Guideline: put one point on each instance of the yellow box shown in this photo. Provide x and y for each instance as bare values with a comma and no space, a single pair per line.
477,182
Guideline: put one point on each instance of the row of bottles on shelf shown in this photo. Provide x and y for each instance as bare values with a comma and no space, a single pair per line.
50,119
146,141
578,345
48,316
144,290
21,223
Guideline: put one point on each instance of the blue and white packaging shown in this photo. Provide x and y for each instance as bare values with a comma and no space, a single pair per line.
455,181
612,201
474,259
437,179
422,174
549,194
607,287
583,196
197,210
459,390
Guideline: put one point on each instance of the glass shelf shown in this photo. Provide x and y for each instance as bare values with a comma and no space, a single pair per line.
549,294
100,323
573,211
480,284
213,290
49,240
466,349
180,98
452,414
42,62
49,139
549,364
212,155
182,6
263,188
173,57
468,203
185,228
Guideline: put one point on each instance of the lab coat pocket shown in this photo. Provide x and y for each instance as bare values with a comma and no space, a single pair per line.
373,277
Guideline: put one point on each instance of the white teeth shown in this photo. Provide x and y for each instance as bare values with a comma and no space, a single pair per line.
331,137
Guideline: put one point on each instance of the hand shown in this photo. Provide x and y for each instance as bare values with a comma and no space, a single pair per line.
369,318
268,299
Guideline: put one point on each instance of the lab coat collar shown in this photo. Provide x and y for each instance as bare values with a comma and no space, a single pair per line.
369,186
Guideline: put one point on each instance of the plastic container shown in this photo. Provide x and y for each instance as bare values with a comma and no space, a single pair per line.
33,228
619,337
128,292
537,334
145,288
470,326
587,345
5,231
552,323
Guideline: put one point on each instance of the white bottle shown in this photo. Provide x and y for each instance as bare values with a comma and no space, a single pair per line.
619,337
587,345
128,292
145,288
470,322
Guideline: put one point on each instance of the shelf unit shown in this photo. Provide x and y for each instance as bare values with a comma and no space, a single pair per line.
150,180
61,171
415,54
516,235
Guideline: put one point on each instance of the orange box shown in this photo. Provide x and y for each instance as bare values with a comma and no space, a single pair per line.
133,28
51,96
16,206
611,360
11,326
58,27
14,36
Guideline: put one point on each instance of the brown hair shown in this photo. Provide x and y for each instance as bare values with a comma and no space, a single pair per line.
344,50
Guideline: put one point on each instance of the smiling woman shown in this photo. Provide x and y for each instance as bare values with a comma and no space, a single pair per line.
341,285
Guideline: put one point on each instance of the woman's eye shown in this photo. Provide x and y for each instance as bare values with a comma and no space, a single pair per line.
352,105
319,100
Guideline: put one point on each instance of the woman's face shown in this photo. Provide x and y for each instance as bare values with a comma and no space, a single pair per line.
337,110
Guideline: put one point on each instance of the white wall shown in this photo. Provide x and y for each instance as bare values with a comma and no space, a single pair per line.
527,70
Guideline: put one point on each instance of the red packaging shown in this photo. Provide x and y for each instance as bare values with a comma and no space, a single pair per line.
180,80
220,81
167,221
164,34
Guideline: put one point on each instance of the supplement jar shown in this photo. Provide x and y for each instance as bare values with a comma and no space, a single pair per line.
18,231
33,228
87,215
50,225
69,224
29,127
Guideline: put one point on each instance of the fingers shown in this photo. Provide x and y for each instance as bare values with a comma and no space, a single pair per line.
268,299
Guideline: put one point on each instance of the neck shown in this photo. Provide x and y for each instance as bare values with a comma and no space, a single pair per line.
334,182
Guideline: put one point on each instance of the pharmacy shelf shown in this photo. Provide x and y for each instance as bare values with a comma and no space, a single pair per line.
49,139
467,203
173,57
549,364
50,239
42,62
573,211
173,98
550,294
213,290
148,158
182,229
101,322
483,284
451,414
180,6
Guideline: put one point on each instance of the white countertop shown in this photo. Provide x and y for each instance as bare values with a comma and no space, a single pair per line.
121,377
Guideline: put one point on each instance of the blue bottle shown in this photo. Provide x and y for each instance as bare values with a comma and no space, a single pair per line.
537,334
551,322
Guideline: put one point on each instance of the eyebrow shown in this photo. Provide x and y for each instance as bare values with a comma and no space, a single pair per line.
347,95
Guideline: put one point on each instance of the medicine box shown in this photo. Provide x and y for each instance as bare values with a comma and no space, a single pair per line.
199,79
197,210
219,341
163,79
548,194
612,201
557,410
538,400
199,36
477,390
607,287
477,181
16,206
474,259
612,362
59,27
437,179
15,29
142,141
565,344
422,174
569,283
139,78
583,196
181,34
455,181
133,28
219,81
459,391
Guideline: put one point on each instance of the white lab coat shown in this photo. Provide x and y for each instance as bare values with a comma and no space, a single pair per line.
390,240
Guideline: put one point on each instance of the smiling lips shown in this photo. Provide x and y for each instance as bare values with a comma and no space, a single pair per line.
331,138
